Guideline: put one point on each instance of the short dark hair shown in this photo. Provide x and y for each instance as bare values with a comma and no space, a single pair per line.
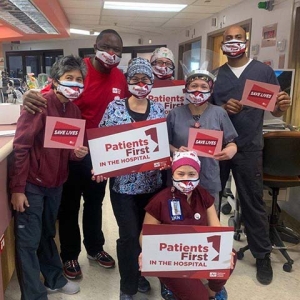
107,31
66,64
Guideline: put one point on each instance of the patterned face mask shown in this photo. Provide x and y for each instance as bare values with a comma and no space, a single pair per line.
70,89
162,72
234,48
107,60
196,97
140,90
186,186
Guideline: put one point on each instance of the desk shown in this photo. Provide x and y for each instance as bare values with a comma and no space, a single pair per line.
7,258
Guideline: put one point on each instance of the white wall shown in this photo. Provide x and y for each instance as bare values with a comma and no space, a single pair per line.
281,14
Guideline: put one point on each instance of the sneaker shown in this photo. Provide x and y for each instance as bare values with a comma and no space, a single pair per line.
143,285
125,296
264,272
166,294
70,288
222,295
103,259
72,269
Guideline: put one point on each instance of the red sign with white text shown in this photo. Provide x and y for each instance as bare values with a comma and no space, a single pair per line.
260,95
205,142
64,133
129,148
186,251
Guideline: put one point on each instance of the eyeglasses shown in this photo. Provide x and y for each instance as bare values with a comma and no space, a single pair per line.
161,63
136,80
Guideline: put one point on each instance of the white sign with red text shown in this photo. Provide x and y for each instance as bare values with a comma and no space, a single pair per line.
168,92
186,251
129,148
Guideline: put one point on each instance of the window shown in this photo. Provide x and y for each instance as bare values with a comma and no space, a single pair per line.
19,63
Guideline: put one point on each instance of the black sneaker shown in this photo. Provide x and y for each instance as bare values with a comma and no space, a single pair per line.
166,294
264,272
72,269
125,296
103,259
143,285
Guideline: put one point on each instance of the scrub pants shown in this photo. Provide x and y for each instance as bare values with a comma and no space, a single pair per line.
36,250
79,184
247,172
129,212
190,289
194,289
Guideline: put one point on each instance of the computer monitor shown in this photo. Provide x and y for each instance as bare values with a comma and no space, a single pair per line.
285,78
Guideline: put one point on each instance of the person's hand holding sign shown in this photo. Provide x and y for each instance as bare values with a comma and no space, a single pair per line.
97,178
227,153
81,151
233,106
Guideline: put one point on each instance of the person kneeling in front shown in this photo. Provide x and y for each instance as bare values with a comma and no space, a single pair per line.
196,207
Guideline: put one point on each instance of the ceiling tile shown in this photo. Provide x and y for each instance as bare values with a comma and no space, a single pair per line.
179,23
185,15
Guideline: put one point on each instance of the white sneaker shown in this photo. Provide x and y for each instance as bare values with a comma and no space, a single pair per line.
70,288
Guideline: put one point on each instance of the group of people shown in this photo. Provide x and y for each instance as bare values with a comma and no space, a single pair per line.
96,90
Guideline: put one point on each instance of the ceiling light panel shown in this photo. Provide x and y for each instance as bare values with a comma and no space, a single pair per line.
143,6
26,14
7,17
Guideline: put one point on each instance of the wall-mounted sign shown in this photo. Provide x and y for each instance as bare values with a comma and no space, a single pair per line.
269,35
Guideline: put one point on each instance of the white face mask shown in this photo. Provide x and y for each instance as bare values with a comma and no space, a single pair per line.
197,98
234,48
162,72
186,186
140,90
107,60
70,89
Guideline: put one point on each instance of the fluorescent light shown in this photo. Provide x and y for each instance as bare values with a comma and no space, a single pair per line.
34,14
23,15
83,32
7,17
144,6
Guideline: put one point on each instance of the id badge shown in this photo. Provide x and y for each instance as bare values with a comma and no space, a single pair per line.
175,210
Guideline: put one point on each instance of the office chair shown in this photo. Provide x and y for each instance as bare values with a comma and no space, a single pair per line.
281,167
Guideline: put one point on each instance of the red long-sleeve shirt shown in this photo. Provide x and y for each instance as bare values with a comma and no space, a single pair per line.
47,167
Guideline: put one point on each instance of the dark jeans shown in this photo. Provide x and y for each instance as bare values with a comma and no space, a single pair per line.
129,212
248,175
36,250
79,183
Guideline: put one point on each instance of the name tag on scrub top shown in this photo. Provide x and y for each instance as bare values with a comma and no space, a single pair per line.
175,210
